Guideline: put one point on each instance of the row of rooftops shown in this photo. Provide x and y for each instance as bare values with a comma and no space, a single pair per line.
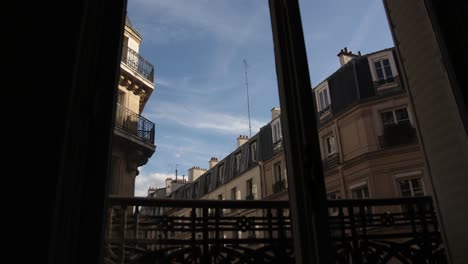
207,177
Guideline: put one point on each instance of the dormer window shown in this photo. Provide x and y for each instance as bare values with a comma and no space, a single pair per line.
383,71
276,131
323,98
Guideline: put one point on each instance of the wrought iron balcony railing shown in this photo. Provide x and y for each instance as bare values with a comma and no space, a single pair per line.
401,230
134,124
189,232
398,134
137,63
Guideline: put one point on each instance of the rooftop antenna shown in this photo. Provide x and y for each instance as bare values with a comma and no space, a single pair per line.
248,102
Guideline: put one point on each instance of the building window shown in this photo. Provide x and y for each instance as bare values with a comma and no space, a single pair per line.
253,151
383,71
334,195
278,186
277,171
233,193
220,174
331,147
220,197
237,162
360,192
411,187
390,118
276,131
323,100
249,189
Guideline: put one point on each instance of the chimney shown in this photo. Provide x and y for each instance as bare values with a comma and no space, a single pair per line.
275,112
151,190
241,140
168,185
194,173
213,161
345,56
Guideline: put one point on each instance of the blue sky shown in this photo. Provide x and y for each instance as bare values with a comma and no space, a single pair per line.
199,103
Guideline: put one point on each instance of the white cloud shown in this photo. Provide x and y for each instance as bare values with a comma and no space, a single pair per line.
362,30
220,18
198,118
145,180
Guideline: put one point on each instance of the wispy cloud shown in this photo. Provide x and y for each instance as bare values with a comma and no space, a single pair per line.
362,30
221,19
197,117
145,180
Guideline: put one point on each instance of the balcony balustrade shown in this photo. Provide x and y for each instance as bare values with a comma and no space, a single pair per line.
137,63
195,231
134,124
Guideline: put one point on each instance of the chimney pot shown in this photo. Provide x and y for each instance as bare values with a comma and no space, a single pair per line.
345,49
359,53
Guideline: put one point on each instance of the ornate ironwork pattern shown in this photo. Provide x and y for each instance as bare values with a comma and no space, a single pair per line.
198,231
137,63
402,230
134,124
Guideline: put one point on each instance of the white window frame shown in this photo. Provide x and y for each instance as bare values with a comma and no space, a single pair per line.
253,154
322,92
238,158
276,131
277,177
380,56
410,175
395,120
359,186
331,136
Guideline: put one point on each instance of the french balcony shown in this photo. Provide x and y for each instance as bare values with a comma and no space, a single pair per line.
398,134
134,124
137,63
279,186
196,231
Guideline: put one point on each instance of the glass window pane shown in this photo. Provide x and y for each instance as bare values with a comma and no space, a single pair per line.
401,115
405,188
378,70
325,95
387,118
322,100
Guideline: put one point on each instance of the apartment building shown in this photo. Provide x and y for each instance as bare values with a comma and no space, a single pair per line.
367,130
133,140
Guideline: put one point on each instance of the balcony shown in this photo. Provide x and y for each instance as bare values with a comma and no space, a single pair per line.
134,124
195,231
398,134
137,63
279,186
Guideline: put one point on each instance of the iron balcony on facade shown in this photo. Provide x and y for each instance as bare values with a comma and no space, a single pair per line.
137,63
196,231
134,124
398,134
